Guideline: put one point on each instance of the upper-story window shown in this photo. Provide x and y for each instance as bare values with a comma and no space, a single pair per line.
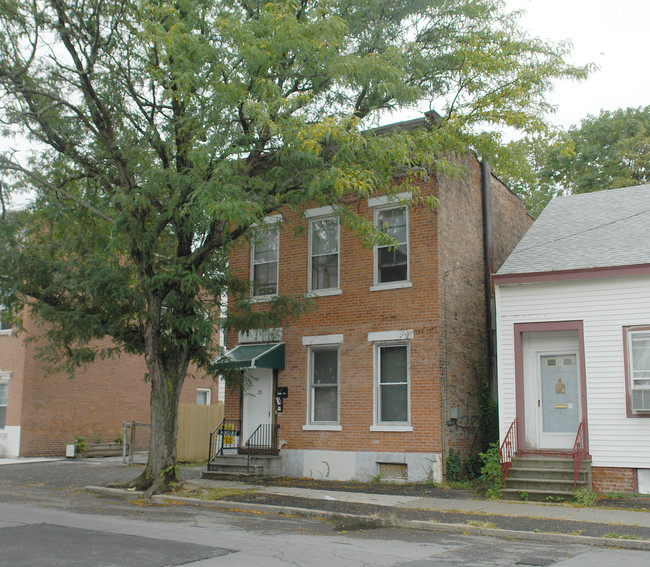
5,324
264,261
638,357
323,254
391,261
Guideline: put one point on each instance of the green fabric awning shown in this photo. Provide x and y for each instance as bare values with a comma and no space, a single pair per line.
266,355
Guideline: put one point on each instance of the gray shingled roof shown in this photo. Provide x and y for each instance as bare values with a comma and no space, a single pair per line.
592,230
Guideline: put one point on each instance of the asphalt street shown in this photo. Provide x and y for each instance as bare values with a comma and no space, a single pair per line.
47,519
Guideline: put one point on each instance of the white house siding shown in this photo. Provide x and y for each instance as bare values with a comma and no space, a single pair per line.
605,306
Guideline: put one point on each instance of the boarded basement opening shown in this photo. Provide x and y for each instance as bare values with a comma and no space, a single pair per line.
392,471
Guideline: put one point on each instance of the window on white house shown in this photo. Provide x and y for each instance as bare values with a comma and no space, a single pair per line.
324,384
203,396
4,387
392,260
638,344
392,384
264,255
324,253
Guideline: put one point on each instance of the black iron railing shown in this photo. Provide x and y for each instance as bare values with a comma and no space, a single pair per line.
263,441
225,436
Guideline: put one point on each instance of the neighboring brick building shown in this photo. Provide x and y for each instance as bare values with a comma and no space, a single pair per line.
41,413
381,379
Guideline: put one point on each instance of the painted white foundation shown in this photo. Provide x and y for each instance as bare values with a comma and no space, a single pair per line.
10,441
358,465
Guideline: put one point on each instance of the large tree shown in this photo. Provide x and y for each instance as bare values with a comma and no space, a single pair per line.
162,131
607,151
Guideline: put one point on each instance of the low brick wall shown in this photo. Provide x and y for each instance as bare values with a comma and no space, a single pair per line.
613,479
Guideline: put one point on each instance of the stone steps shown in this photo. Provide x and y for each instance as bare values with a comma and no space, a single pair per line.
540,477
233,467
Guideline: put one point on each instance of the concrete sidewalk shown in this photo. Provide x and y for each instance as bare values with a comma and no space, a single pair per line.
522,520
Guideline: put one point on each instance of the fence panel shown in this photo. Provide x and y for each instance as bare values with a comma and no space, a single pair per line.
195,423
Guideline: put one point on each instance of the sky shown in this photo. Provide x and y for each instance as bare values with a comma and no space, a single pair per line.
613,34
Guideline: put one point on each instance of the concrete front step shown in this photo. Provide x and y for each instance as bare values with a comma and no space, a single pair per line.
537,495
240,466
542,477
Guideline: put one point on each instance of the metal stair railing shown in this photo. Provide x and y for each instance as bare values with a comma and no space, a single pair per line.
264,440
508,450
225,436
579,451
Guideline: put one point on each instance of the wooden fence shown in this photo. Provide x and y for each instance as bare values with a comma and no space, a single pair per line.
195,423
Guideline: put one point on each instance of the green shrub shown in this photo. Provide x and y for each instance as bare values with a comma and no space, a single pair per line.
585,497
453,466
473,465
491,470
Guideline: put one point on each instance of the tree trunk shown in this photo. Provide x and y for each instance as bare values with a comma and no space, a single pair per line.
167,372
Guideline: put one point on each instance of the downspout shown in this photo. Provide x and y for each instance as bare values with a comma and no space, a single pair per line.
488,269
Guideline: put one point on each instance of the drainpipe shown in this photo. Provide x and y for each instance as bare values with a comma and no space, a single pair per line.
488,268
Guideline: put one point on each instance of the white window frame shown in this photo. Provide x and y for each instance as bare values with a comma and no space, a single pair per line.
208,395
382,340
382,204
4,380
335,290
630,333
270,225
322,342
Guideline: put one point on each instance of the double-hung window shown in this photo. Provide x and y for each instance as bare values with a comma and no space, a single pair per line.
264,261
392,384
5,325
638,359
392,260
323,254
392,380
324,385
4,388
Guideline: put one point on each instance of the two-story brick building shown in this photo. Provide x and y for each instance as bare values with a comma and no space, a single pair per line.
382,377
41,412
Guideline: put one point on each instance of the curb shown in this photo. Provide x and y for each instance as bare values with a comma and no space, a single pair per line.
422,525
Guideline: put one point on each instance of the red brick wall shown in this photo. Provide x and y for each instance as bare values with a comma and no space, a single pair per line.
463,342
52,409
613,479
355,313
445,307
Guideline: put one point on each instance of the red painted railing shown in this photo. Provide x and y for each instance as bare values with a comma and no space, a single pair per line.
508,450
579,451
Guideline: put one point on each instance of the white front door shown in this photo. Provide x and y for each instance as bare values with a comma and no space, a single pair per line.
258,400
552,394
559,399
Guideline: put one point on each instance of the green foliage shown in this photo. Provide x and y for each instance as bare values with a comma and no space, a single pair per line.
472,466
164,132
452,466
523,495
80,443
585,497
491,470
607,151
488,416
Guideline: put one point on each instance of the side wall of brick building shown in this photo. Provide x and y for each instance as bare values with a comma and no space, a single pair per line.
50,410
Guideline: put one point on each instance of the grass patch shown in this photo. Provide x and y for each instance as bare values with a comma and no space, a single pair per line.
213,493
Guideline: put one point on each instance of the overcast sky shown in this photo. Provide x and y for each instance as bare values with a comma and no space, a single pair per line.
613,34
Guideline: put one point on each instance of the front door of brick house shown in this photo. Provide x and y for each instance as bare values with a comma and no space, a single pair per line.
257,405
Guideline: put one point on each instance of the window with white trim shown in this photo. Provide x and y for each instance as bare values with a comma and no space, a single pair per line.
203,396
391,260
264,261
392,383
324,385
638,359
323,253
4,389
